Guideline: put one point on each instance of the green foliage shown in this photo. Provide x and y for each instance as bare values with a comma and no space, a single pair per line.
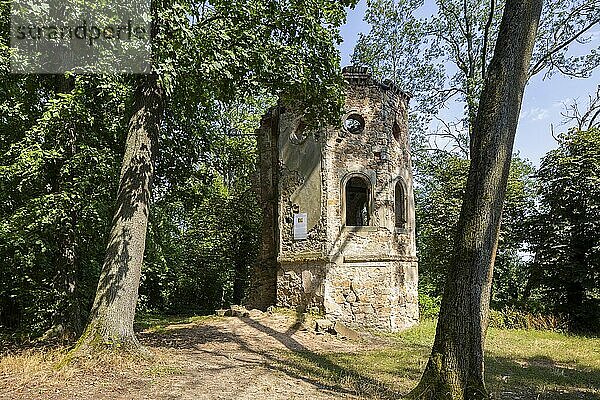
394,49
203,239
58,169
512,265
566,229
222,64
204,224
444,57
227,50
439,190
398,48
513,318
56,188
438,197
564,26
429,304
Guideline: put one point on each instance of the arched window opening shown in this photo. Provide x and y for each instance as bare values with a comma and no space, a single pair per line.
396,131
357,202
400,206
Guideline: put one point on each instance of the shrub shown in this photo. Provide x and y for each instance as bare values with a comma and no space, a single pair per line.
511,318
429,306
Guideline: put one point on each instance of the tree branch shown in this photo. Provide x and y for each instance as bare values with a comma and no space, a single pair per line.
541,63
460,63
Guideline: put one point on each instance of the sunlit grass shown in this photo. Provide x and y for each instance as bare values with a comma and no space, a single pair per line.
520,365
158,322
17,369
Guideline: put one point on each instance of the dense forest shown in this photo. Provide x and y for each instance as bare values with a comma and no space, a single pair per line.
62,143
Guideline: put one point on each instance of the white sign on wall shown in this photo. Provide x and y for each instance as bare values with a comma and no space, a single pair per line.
300,226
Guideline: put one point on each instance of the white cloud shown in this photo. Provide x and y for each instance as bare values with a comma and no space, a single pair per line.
535,114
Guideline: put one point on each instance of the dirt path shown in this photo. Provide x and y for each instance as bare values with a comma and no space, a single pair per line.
220,358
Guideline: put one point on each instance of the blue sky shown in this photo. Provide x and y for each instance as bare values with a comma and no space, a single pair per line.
542,104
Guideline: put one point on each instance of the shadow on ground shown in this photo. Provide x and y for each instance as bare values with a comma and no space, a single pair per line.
280,351
383,373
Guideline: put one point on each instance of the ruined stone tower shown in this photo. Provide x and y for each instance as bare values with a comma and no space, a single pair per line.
338,211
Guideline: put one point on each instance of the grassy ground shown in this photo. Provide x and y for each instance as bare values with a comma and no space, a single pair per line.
519,364
563,366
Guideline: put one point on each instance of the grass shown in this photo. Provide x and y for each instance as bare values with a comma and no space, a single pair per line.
551,364
383,373
519,365
35,373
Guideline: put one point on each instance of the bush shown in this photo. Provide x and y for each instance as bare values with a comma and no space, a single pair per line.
429,306
511,318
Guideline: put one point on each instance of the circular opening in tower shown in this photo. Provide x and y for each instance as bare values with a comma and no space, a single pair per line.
354,123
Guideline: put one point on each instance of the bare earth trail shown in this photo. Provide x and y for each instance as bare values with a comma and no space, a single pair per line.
219,358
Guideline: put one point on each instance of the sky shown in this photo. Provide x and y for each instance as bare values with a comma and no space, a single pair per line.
543,101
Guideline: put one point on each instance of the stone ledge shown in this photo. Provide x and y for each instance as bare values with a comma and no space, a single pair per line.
377,258
303,257
361,228
401,231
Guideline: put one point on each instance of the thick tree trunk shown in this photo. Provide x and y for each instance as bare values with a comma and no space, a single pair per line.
456,365
113,312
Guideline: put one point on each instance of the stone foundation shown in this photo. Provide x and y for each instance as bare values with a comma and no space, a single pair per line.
380,295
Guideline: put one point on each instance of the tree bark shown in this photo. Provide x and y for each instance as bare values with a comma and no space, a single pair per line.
456,366
111,321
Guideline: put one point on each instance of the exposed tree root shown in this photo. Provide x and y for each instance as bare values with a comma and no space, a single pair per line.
438,383
94,344
436,390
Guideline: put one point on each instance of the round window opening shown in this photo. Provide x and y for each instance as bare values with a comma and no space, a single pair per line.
354,123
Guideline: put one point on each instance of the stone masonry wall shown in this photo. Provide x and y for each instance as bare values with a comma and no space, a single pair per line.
373,296
364,276
262,292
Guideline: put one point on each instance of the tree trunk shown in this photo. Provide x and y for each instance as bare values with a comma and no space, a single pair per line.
456,366
111,321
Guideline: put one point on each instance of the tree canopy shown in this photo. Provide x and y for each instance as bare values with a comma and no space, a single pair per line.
565,232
